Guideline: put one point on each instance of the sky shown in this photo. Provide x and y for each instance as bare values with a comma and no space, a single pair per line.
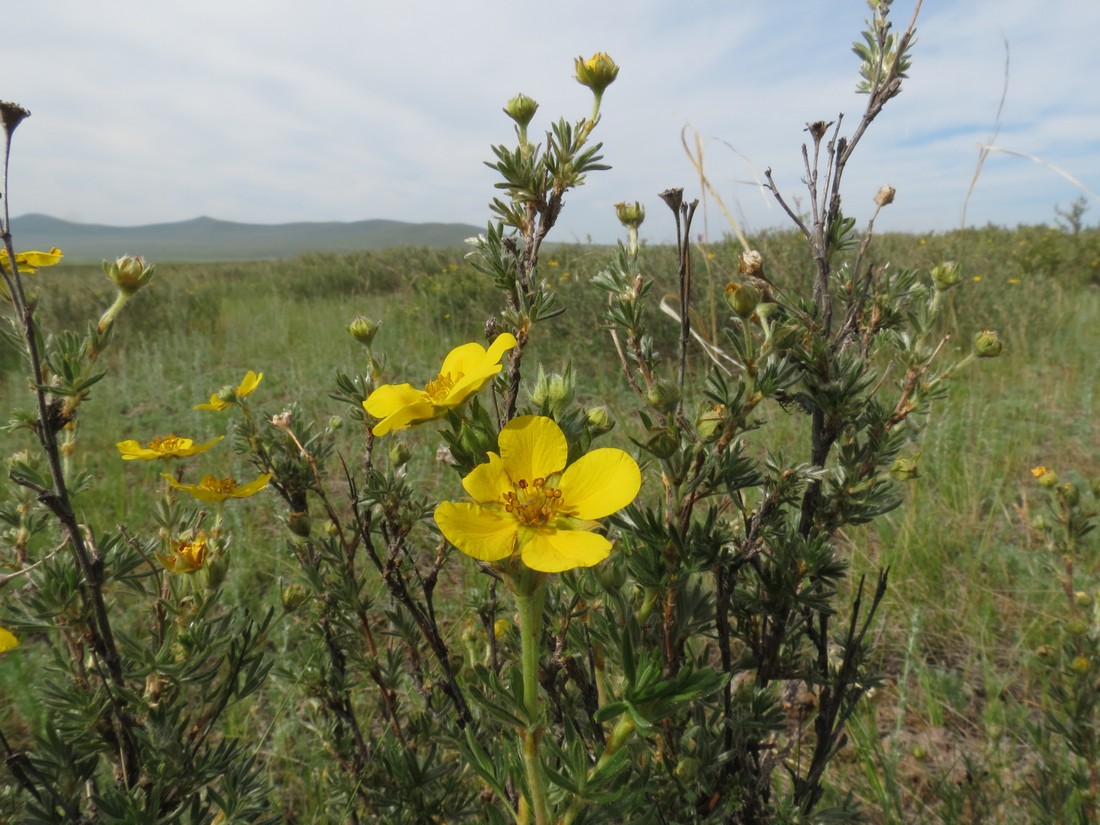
270,111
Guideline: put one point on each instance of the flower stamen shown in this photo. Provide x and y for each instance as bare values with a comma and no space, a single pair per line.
437,389
533,503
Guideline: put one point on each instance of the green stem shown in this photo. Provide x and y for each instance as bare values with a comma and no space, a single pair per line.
623,730
530,599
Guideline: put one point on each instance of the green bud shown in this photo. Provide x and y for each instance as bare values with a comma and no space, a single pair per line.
946,275
1082,599
130,273
216,567
630,215
611,574
709,420
1069,493
743,299
988,344
294,596
399,454
905,469
299,524
363,330
1077,627
597,72
554,391
687,768
521,109
599,420
663,443
663,396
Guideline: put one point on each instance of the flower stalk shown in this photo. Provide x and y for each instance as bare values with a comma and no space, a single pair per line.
530,592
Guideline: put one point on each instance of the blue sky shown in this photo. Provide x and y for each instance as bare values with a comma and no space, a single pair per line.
270,111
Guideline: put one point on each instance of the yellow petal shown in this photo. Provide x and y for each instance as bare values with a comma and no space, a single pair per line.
488,482
132,449
7,640
532,446
554,551
476,531
215,404
501,344
600,483
389,398
252,487
250,381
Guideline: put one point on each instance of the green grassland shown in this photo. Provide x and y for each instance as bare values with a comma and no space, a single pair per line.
971,589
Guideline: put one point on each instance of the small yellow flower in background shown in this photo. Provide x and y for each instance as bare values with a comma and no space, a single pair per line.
164,446
597,72
227,396
7,640
1046,478
465,370
526,501
212,489
1014,280
187,553
30,262
500,627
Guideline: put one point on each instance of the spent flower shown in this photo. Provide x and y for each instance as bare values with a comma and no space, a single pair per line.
526,501
465,370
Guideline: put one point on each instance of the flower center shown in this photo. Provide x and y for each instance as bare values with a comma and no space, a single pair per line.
218,485
193,553
437,389
166,443
533,503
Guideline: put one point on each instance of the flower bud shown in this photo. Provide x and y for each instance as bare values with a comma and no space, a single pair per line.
521,109
663,443
399,454
300,524
1080,665
630,215
709,420
597,72
554,391
1069,493
885,195
1082,599
988,344
663,396
743,299
946,275
363,330
1077,627
905,469
294,596
500,627
130,273
1047,478
599,420
611,574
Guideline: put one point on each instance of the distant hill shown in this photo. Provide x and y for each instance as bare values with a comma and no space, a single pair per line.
207,239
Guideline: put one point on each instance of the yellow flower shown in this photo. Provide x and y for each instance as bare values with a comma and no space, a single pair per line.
465,370
7,640
227,396
526,501
30,262
187,554
212,489
164,446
